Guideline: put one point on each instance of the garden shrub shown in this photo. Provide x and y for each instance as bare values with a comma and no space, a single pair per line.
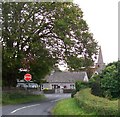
73,93
96,90
78,86
81,85
94,84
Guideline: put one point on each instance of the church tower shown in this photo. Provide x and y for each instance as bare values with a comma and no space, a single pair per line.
100,65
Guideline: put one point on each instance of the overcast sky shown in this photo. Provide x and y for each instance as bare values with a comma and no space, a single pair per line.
102,19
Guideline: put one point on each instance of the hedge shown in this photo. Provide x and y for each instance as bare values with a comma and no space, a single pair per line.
101,106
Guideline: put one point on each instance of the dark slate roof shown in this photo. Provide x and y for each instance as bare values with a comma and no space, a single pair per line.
66,76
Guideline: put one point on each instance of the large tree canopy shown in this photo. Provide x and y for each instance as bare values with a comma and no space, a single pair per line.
38,35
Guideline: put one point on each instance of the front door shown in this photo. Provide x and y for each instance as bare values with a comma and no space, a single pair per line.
57,88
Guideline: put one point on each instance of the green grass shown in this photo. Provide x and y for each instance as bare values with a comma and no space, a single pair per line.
19,97
68,107
91,103
84,103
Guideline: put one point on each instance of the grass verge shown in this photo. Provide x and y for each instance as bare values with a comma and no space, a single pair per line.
99,105
68,107
18,97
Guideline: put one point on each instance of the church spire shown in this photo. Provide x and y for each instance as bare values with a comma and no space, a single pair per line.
100,57
100,65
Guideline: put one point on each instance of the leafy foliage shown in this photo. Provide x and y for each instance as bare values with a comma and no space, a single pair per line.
95,85
38,35
108,81
81,85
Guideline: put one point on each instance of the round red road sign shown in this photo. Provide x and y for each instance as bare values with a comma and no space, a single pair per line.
27,77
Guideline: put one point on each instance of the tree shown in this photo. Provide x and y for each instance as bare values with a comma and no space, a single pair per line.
108,81
19,50
53,31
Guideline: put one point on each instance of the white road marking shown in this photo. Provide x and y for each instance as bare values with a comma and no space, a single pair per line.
24,108
39,104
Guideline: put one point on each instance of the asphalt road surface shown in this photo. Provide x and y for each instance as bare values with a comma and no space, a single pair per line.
34,108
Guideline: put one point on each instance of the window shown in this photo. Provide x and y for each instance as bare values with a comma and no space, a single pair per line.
72,86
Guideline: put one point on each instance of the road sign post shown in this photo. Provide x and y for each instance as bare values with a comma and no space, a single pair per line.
27,77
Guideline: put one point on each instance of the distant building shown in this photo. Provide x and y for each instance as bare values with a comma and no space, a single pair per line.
99,64
64,80
60,80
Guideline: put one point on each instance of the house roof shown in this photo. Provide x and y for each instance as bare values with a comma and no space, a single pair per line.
66,77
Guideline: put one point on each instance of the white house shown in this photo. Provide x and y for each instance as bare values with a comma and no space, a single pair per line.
64,80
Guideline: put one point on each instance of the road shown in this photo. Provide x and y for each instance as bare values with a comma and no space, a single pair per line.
34,108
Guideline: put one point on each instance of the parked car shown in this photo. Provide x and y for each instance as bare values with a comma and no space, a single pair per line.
23,84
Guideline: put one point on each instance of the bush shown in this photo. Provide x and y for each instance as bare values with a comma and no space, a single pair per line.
110,81
99,105
107,83
81,85
95,89
73,93
95,85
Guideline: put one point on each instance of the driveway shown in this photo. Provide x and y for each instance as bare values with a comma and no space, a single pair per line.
34,108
